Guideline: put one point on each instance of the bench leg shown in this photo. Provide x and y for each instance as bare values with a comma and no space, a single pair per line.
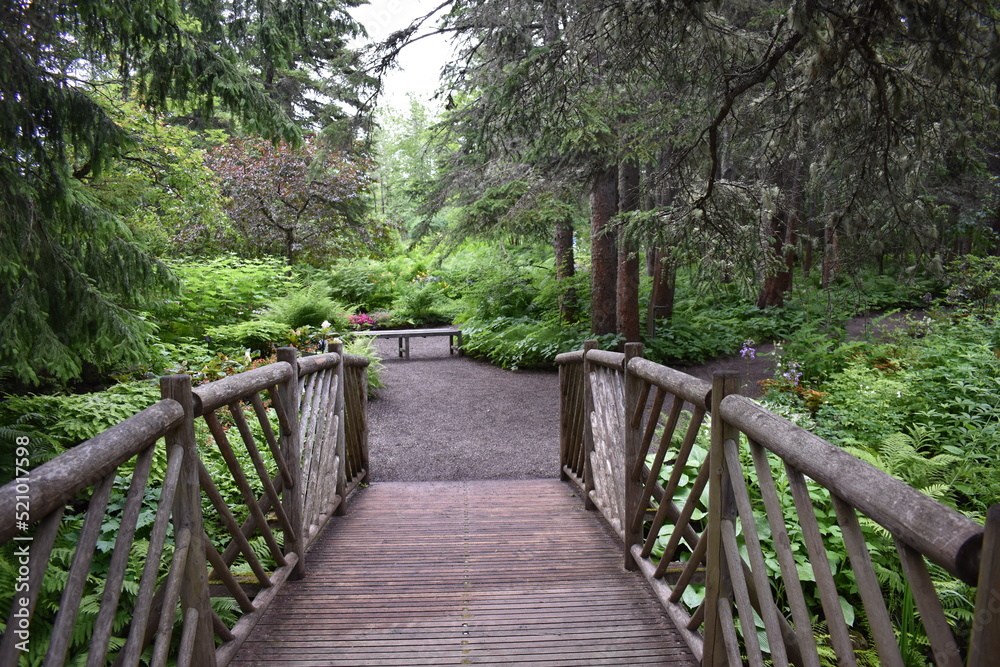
400,346
406,346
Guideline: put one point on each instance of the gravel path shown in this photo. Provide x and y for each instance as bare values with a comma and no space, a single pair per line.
443,417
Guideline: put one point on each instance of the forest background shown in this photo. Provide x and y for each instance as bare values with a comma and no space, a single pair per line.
185,186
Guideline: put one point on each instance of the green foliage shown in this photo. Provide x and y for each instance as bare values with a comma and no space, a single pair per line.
520,342
975,282
162,188
56,422
259,335
73,276
309,306
220,291
922,405
501,290
410,162
367,284
364,346
423,301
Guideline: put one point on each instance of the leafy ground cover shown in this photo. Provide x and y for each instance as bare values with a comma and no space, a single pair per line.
920,402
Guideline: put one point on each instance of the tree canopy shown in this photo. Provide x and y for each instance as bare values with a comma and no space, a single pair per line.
73,275
762,130
300,203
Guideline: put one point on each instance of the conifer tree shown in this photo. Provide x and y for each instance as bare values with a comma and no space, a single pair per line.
72,275
774,124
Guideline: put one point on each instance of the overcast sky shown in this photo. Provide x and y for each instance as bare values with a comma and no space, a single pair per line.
421,62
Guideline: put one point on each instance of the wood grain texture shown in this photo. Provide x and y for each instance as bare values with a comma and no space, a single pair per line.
486,572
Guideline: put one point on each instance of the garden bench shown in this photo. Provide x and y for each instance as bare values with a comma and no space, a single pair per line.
404,336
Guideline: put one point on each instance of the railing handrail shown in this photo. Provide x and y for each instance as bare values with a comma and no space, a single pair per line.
607,359
947,537
214,395
301,501
56,481
691,389
921,527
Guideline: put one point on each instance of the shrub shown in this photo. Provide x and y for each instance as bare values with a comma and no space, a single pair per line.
57,422
974,281
365,346
423,301
518,342
216,292
309,306
259,335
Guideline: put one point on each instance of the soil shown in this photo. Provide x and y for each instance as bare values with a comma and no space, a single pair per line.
444,417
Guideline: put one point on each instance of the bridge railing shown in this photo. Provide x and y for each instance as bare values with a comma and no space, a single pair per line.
292,466
720,501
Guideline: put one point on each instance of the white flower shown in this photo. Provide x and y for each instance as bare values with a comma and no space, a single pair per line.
325,325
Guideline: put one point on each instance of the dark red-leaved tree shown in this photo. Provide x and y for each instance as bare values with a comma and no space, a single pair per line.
300,203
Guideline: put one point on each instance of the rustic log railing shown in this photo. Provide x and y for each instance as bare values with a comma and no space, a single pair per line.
666,509
292,474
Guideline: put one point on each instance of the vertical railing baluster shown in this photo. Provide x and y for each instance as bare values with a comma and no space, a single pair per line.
187,517
588,433
721,505
361,379
291,452
341,452
565,419
985,645
632,439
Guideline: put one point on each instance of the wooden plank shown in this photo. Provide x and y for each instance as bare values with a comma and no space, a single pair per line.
466,573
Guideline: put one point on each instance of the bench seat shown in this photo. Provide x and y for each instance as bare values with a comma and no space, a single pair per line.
404,336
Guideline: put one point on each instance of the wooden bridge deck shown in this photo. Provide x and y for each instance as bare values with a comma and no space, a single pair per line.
457,573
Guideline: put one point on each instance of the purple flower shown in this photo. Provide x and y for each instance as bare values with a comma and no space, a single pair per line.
748,351
792,373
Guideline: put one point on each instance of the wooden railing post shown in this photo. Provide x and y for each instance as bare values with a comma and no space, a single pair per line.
985,644
632,442
341,454
588,433
721,506
362,389
291,450
187,519
565,414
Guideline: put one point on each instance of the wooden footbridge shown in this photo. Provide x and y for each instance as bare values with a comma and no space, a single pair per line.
233,524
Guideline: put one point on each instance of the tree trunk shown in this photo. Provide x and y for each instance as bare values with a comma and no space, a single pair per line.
603,251
661,301
778,281
831,259
628,257
993,167
807,252
290,248
562,242
784,230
